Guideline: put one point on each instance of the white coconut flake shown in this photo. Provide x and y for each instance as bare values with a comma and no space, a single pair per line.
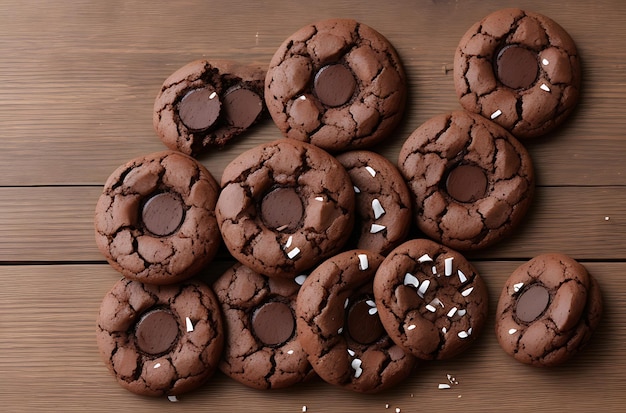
300,279
463,334
351,353
517,287
282,228
462,276
410,279
290,352
545,62
496,114
443,386
430,308
293,253
346,303
356,365
319,198
371,171
461,312
340,330
375,228
444,330
363,263
544,87
289,241
422,290
434,270
157,365
512,330
379,211
372,311
303,409
387,406
213,95
452,311
411,327
467,292
424,258
189,324
397,410
448,266
356,189
173,399
302,97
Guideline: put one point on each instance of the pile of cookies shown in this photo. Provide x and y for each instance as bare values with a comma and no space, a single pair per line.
326,282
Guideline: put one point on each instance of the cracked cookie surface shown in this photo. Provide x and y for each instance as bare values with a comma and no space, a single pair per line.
548,310
520,69
160,340
261,348
472,182
285,206
383,201
205,104
431,300
339,327
337,84
155,219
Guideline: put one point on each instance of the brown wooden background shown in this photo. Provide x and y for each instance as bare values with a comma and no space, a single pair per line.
77,84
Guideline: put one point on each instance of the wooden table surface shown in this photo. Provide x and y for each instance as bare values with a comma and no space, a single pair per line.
77,84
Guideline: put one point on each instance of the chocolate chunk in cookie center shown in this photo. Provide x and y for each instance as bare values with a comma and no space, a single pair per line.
241,107
273,323
334,85
281,209
156,332
200,108
517,67
162,214
364,325
532,303
466,183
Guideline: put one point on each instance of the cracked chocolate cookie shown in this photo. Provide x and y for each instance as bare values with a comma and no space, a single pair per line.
205,104
155,220
472,182
548,310
383,201
261,349
430,299
339,327
285,206
337,84
519,69
160,340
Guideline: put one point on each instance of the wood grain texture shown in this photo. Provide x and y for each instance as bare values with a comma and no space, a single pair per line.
77,84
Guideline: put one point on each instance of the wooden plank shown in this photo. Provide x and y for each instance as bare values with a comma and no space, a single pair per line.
49,359
56,224
77,93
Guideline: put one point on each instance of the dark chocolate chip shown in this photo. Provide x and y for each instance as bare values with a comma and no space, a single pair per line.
273,323
241,107
466,183
281,209
156,332
517,67
162,214
363,326
200,108
532,303
334,85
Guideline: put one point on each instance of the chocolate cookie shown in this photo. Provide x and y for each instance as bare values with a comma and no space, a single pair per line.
160,340
204,104
337,84
339,327
262,350
155,220
547,311
519,69
383,201
471,180
285,206
430,299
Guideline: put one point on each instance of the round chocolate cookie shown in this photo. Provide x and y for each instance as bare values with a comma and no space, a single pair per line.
337,84
547,311
160,340
519,69
383,201
339,327
261,350
205,104
430,299
471,180
155,220
285,206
